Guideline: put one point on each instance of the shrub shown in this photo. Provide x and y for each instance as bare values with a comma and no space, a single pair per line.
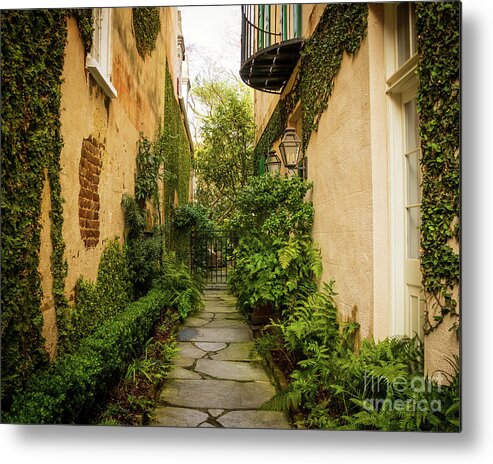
68,390
191,222
381,386
184,291
275,260
99,301
145,250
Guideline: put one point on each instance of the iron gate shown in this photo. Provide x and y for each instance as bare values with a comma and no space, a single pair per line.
212,257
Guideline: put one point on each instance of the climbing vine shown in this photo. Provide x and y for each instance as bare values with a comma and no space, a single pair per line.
97,302
438,29
341,28
177,161
85,24
147,25
149,164
33,45
166,159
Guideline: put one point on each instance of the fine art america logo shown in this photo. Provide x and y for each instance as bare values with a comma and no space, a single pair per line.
417,384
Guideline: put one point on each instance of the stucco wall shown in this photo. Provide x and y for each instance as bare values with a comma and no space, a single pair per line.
440,347
380,178
442,344
339,164
113,126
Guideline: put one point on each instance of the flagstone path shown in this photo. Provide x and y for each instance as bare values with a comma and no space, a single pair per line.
213,382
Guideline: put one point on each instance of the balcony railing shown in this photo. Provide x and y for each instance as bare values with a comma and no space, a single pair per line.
270,45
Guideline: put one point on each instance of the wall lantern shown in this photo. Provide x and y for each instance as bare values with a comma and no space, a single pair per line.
290,148
273,163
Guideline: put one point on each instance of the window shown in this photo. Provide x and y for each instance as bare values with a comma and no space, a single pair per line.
412,178
405,170
98,62
406,32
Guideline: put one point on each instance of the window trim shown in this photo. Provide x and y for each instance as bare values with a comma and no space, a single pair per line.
400,82
95,68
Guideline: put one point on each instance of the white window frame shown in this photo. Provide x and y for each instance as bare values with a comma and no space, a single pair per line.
400,82
99,60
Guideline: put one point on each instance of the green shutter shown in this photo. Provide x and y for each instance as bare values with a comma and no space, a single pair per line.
284,17
260,35
267,24
297,20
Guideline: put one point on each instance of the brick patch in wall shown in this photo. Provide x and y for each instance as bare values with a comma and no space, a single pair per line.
89,171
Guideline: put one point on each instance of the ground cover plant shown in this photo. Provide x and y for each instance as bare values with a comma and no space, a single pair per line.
331,385
133,399
331,382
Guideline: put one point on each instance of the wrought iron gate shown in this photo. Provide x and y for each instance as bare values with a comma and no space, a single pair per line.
212,257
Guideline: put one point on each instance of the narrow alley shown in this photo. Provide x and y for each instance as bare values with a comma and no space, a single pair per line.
214,383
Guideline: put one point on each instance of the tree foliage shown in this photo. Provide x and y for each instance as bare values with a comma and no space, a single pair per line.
224,159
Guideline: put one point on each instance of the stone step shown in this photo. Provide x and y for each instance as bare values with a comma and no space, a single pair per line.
214,383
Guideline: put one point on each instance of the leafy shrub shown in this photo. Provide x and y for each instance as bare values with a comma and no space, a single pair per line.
99,301
133,400
275,260
332,385
184,291
68,390
134,217
146,260
191,222
145,250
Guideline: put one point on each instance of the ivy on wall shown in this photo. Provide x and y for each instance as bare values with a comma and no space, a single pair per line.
341,28
33,46
147,25
149,162
177,161
166,159
438,30
85,24
98,302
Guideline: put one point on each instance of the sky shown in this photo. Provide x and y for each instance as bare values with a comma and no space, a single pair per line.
212,38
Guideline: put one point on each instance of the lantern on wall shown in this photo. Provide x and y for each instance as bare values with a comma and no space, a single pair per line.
273,163
290,148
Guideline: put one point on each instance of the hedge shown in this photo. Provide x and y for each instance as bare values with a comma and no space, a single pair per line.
69,389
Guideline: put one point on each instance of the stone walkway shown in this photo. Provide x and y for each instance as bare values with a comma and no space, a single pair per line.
214,383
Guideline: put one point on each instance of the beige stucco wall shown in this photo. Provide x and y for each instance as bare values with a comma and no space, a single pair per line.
116,125
442,344
380,178
339,157
440,347
348,163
